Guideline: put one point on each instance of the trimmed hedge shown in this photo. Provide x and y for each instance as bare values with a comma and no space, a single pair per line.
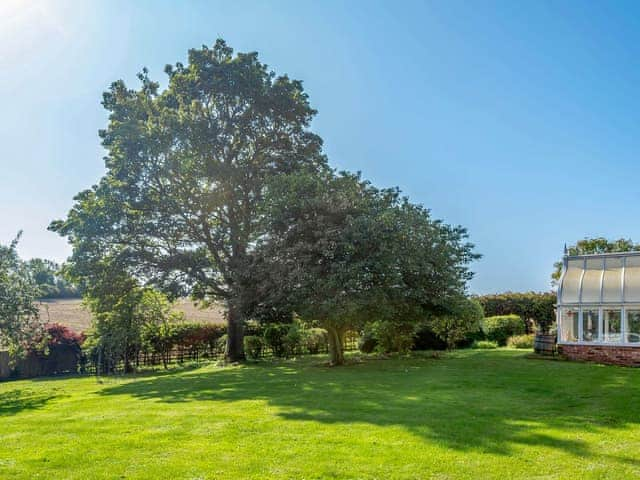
534,307
500,327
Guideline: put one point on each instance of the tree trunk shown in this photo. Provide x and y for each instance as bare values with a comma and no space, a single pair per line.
336,346
235,335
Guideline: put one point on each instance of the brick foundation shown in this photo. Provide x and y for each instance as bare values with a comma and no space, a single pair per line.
612,355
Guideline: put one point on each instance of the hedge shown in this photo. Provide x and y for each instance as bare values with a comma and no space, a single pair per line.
500,327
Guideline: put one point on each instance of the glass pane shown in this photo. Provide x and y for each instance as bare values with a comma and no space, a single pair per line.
633,326
571,281
612,325
632,280
612,281
591,280
569,324
590,325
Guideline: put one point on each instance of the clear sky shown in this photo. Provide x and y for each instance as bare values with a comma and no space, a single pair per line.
518,120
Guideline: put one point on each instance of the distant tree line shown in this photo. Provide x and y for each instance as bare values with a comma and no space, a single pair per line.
48,277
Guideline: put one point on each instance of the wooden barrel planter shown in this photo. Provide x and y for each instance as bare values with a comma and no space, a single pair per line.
544,344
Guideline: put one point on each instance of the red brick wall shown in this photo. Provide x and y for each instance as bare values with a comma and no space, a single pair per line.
614,355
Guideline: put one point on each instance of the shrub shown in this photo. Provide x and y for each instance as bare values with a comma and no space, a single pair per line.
315,340
461,321
426,339
367,342
484,344
534,308
253,346
393,336
501,327
275,337
293,340
521,341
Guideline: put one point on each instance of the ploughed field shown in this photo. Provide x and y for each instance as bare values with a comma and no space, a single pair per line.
73,314
469,414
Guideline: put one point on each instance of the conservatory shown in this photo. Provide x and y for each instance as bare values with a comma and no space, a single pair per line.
599,308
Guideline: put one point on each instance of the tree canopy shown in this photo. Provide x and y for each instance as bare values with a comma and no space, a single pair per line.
345,253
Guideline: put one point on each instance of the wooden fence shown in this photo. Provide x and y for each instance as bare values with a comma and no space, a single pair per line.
201,353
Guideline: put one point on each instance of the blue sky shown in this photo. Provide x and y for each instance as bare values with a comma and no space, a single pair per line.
518,120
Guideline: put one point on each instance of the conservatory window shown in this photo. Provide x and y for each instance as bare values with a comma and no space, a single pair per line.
569,324
612,325
591,280
590,331
633,325
632,280
612,280
571,281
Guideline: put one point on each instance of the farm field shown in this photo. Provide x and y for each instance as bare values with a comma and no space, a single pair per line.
470,414
72,313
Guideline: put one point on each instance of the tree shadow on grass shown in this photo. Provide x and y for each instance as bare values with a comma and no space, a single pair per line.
16,401
487,402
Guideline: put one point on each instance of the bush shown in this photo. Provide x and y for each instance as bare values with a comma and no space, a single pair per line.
275,336
392,336
315,340
253,346
427,339
501,327
534,308
484,344
521,341
367,342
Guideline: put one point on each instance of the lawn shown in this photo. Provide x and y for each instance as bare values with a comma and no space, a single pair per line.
470,414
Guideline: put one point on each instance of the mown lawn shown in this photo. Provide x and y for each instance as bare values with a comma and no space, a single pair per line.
472,414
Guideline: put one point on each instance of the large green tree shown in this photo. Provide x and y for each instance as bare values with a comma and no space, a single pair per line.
344,254
187,170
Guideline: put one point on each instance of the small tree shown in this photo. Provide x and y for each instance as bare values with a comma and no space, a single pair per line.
346,254
19,323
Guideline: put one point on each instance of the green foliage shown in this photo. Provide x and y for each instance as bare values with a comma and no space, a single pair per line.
500,327
253,346
484,344
346,254
392,339
521,341
367,342
19,323
538,308
47,275
595,245
462,319
275,337
426,339
315,340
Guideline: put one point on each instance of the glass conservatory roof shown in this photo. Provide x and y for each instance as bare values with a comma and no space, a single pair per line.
602,278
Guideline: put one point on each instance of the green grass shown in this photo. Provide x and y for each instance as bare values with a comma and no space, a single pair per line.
472,414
